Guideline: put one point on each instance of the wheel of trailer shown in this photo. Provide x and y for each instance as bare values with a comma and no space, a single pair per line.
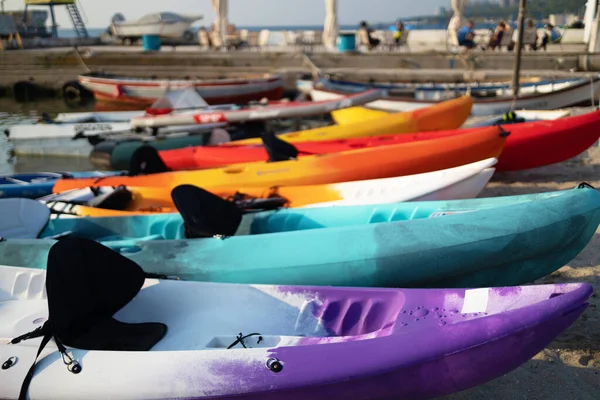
188,36
127,42
74,94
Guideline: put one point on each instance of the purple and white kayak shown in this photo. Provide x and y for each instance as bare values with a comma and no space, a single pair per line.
303,342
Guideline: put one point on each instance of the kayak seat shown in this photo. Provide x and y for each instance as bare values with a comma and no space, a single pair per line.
22,218
205,214
86,284
118,199
277,149
146,160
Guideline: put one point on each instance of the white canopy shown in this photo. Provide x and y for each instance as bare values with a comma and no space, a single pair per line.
221,8
457,19
330,30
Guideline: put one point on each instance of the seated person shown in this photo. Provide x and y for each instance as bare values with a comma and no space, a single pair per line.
466,36
578,24
365,30
233,36
399,32
497,36
531,26
551,34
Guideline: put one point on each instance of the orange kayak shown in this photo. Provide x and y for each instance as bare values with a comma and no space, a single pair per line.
465,181
449,114
362,164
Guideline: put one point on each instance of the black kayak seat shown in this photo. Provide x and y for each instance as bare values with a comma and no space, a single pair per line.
146,160
205,214
86,284
277,149
119,199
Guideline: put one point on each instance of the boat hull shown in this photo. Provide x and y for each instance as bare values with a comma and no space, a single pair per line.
529,145
363,164
306,326
570,95
34,185
510,241
144,92
463,182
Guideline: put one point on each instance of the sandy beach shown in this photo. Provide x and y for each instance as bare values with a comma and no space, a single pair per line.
570,367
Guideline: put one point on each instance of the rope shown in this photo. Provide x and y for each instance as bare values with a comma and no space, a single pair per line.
81,59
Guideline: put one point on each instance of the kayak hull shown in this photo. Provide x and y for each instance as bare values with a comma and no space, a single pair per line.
362,164
450,114
463,182
511,240
530,145
34,185
307,326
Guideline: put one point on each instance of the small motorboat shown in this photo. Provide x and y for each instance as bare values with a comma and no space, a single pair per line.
162,24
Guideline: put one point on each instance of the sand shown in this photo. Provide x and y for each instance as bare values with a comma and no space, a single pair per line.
570,367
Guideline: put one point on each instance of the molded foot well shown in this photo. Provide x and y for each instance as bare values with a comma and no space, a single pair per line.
349,317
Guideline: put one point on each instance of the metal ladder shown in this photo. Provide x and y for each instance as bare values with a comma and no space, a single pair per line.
78,23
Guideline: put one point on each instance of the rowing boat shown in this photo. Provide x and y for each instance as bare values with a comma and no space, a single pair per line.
144,92
548,97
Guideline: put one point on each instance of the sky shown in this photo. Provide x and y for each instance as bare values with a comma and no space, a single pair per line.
250,12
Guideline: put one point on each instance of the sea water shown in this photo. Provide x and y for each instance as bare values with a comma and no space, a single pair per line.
12,113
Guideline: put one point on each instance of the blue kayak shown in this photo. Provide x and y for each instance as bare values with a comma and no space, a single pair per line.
37,184
501,241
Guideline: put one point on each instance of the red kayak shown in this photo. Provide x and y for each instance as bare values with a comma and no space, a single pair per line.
530,145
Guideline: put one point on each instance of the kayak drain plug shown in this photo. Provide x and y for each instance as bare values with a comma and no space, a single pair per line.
274,365
9,363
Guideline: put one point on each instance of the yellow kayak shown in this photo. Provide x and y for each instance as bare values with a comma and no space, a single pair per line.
446,115
353,115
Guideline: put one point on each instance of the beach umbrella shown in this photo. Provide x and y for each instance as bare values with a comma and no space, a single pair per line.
330,30
457,19
221,8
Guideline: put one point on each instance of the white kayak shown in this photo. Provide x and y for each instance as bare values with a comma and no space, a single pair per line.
175,339
463,182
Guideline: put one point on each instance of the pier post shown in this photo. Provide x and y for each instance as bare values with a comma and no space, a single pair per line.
519,48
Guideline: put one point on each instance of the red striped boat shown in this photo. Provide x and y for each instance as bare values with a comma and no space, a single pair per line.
144,92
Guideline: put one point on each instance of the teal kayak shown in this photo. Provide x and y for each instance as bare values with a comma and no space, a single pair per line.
500,241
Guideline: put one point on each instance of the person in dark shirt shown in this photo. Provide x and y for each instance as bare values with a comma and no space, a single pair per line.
373,42
578,24
466,36
497,36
